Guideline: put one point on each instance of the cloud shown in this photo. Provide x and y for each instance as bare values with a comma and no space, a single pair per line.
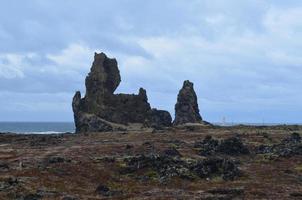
284,22
75,56
243,56
11,65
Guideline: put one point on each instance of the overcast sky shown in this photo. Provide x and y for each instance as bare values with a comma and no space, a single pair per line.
244,56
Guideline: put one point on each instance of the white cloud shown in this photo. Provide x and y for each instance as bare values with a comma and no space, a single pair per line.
159,46
75,56
241,55
284,22
9,72
134,65
215,19
283,58
12,65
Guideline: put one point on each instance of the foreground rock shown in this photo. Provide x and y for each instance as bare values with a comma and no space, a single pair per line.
103,190
102,110
165,167
231,146
288,147
8,183
186,108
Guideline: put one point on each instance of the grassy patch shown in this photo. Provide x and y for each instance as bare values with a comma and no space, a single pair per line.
299,168
152,174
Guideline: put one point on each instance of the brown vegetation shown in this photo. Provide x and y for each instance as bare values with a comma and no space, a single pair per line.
94,166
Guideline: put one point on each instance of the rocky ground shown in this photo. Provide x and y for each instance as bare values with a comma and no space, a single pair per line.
178,163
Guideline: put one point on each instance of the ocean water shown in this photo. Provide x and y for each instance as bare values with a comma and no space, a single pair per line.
37,127
68,127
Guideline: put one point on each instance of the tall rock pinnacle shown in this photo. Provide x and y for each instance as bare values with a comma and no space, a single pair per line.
103,78
186,108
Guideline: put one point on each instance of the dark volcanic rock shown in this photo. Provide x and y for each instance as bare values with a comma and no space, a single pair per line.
3,166
32,197
167,166
288,147
91,123
209,167
57,159
186,108
159,119
103,78
296,195
208,146
8,183
102,190
294,138
102,110
106,191
69,198
172,151
231,146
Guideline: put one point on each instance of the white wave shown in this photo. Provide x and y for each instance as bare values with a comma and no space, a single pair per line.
45,132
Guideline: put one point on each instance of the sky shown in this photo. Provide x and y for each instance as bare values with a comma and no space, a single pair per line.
244,57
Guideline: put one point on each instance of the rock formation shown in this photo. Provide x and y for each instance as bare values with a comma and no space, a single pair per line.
158,119
186,108
101,109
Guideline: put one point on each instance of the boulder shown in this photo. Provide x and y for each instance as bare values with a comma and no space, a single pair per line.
186,108
172,152
208,146
100,107
91,123
232,146
103,190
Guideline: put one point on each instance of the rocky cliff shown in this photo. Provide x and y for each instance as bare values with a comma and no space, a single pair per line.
101,109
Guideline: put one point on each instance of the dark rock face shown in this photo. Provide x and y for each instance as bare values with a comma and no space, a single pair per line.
186,108
100,107
91,123
159,119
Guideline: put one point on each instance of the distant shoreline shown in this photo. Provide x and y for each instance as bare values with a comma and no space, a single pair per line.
37,127
292,127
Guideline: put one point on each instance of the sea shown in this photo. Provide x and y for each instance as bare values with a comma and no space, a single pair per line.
37,127
68,127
